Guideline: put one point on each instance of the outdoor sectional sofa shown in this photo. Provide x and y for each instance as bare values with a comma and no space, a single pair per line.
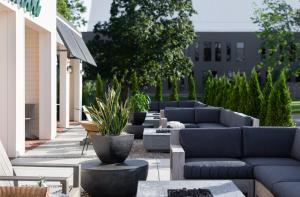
157,106
264,161
208,117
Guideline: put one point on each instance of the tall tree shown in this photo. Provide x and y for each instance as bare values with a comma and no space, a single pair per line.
277,22
192,88
72,10
145,36
134,86
159,89
174,92
266,97
255,95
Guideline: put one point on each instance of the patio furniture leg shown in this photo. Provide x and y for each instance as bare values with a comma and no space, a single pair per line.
86,137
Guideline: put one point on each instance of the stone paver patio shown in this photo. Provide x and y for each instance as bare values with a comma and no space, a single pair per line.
66,149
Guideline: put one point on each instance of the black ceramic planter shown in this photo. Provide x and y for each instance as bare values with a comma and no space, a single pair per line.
137,118
112,149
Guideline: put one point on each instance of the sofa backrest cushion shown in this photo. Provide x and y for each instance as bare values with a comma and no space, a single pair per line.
296,146
234,119
199,104
164,104
207,115
189,104
267,141
183,115
154,106
218,142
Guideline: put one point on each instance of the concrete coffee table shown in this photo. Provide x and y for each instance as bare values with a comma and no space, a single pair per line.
154,141
218,188
155,120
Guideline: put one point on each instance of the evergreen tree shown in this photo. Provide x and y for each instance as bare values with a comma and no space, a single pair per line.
159,89
234,100
99,87
266,96
192,88
255,95
244,94
174,94
134,84
226,92
219,93
206,80
279,112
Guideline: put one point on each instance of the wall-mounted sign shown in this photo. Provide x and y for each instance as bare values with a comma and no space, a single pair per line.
31,6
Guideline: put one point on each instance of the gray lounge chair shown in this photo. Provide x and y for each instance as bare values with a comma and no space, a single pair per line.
8,176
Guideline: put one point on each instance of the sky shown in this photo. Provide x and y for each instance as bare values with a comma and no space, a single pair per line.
213,15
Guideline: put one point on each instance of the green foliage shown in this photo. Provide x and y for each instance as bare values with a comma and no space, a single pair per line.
235,97
145,36
256,97
72,10
266,96
115,84
279,111
134,84
139,102
244,95
205,85
159,89
174,92
277,22
110,114
192,88
88,93
99,87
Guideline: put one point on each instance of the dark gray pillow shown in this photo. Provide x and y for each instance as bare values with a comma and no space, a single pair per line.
234,119
164,104
154,106
186,104
183,115
217,142
296,146
268,141
207,115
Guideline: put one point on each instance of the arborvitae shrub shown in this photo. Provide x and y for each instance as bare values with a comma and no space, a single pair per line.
174,93
99,87
192,88
159,89
205,85
279,112
234,100
266,96
244,94
226,92
134,86
255,95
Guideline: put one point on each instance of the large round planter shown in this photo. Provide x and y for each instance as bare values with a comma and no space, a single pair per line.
112,149
137,118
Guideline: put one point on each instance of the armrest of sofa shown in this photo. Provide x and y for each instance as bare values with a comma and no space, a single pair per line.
163,122
255,122
177,162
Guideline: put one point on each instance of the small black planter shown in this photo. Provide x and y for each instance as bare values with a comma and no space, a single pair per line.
112,149
137,118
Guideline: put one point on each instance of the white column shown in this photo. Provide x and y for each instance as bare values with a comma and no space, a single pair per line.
12,83
64,90
47,105
77,68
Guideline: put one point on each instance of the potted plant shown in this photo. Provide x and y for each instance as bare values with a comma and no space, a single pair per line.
138,107
111,144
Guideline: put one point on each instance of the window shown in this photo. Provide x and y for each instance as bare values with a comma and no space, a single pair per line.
207,52
218,51
196,52
240,51
228,51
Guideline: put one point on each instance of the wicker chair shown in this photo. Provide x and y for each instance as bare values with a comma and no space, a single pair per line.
24,192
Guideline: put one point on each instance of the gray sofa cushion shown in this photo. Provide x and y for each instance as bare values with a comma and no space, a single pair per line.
270,175
286,189
234,119
189,104
270,161
199,104
191,125
267,141
218,142
183,115
296,146
154,106
164,104
210,125
217,168
207,115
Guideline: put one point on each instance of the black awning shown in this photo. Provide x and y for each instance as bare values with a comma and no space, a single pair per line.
74,43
